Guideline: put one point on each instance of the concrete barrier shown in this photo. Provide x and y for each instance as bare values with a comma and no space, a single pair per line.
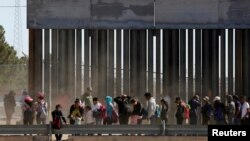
16,138
24,138
137,138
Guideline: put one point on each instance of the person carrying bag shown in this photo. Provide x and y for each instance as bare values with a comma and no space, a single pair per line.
58,117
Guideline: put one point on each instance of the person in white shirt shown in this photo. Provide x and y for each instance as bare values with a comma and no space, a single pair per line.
150,107
244,108
96,108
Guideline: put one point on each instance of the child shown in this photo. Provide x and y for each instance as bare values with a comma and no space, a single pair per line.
89,119
78,119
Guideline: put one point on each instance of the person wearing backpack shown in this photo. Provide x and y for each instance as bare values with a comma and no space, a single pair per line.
180,112
206,111
27,111
57,118
219,111
124,111
98,111
193,114
136,115
41,108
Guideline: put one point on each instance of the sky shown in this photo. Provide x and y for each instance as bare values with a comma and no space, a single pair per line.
7,12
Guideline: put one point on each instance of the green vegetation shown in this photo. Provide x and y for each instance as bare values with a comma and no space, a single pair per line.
13,70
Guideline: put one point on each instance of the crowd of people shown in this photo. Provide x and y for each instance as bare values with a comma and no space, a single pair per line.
129,110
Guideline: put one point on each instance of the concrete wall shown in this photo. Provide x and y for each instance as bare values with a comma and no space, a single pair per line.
137,138
138,14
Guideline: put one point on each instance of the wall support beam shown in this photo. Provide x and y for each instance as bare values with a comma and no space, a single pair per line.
126,47
223,65
87,59
71,63
238,61
206,62
246,63
79,75
134,85
142,66
118,63
31,61
111,81
47,62
158,63
94,61
150,62
215,62
38,61
102,63
230,63
182,63
54,69
190,65
198,46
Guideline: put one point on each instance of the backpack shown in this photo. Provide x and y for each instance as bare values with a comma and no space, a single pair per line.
100,113
186,111
56,124
157,111
43,110
206,110
219,113
143,113
114,117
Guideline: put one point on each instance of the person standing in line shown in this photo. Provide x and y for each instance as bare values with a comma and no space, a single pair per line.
136,115
87,98
123,102
219,111
76,111
41,108
244,109
27,110
194,104
237,115
58,115
109,110
206,111
230,109
180,111
98,111
150,107
9,106
164,111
